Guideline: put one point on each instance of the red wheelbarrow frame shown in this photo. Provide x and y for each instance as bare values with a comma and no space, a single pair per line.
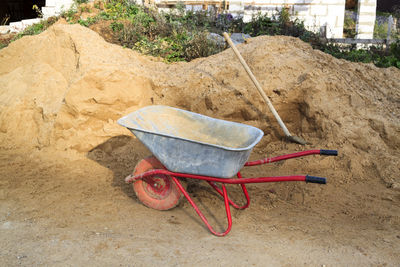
239,180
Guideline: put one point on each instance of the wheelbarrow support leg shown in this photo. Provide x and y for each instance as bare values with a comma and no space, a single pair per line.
244,189
202,217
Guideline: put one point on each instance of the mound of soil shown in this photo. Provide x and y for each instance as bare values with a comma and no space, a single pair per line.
66,87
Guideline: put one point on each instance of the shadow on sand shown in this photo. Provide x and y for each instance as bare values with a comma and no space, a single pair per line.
121,153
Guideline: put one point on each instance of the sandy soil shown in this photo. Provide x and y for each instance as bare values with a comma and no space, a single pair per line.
63,157
60,210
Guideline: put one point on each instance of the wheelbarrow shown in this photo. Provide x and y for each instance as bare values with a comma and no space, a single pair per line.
193,146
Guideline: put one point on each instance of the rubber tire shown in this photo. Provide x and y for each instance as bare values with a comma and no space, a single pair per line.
167,202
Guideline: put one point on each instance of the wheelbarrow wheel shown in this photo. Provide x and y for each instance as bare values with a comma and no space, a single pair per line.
158,192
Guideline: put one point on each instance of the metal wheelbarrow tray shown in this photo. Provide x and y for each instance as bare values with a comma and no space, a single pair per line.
192,143
194,146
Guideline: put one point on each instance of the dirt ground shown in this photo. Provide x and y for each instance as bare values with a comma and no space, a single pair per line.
63,200
60,210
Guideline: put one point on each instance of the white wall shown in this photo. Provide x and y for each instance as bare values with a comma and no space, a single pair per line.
366,19
314,13
55,7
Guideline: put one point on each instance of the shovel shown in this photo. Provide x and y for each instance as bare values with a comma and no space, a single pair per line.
290,137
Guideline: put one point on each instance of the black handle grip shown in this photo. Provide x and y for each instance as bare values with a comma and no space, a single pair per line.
328,152
315,179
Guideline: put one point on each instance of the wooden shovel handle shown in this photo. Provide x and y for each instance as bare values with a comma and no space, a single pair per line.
257,84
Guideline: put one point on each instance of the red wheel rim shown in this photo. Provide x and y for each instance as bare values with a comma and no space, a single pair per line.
157,192
158,187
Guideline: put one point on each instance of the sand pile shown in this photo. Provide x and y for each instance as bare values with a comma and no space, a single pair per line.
65,89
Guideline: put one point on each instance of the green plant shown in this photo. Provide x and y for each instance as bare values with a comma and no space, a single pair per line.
129,35
4,20
89,21
38,11
103,15
396,11
200,45
84,9
83,22
116,26
376,55
284,16
380,30
180,8
36,28
395,48
279,24
78,2
69,15
120,9
184,35
261,25
172,36
382,14
349,27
